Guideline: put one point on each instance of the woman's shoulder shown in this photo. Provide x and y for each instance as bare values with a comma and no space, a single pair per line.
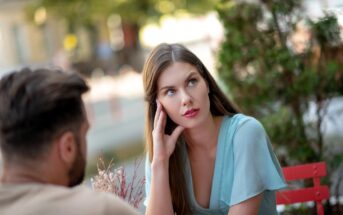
242,120
242,125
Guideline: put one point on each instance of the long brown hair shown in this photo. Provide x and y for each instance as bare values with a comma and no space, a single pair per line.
159,59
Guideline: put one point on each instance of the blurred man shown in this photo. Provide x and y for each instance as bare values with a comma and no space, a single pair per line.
43,127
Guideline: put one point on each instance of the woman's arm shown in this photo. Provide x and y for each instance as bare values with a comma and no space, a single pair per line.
160,201
247,207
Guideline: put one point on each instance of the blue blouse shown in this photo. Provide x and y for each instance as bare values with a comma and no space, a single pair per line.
245,166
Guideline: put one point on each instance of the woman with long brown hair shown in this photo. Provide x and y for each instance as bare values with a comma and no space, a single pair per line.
203,156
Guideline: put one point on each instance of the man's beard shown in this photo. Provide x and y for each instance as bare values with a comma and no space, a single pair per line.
77,171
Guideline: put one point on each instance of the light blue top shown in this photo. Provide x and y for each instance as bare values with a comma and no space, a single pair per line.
245,166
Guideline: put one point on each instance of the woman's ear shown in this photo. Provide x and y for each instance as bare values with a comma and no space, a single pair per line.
67,147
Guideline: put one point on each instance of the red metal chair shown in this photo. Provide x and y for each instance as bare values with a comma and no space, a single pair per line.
317,193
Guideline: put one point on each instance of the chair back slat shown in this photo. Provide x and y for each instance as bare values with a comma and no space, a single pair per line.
317,193
302,195
304,171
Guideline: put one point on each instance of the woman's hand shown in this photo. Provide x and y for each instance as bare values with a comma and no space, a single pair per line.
160,201
163,144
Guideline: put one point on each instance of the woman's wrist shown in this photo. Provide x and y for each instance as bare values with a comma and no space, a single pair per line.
159,164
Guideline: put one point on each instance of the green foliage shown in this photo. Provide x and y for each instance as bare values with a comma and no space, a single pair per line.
268,78
326,30
94,15
139,12
74,12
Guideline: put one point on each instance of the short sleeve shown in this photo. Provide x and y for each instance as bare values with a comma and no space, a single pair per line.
147,180
256,167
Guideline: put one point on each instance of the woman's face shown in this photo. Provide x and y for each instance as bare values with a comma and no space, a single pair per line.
183,94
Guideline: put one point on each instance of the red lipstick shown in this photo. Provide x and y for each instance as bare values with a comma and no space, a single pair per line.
191,113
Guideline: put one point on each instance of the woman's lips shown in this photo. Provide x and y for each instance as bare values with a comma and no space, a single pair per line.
191,113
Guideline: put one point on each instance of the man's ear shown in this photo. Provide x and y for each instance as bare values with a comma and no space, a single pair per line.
67,147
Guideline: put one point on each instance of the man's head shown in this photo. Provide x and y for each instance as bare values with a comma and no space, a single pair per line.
40,108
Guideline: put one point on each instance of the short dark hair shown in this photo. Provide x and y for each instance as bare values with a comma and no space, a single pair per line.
35,107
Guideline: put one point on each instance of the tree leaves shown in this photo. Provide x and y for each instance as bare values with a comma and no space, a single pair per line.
270,80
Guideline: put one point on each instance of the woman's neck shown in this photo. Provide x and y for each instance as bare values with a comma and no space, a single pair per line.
203,137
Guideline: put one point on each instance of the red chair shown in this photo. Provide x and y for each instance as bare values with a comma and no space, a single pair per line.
317,193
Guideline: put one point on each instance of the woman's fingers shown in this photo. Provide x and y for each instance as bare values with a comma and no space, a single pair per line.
176,133
164,145
161,122
157,114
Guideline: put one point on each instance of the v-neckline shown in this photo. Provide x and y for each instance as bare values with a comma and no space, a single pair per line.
214,176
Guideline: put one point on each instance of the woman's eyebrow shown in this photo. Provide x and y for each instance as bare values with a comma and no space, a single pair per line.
191,74
187,78
165,87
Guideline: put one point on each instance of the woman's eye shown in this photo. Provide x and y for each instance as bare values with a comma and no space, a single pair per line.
170,92
192,82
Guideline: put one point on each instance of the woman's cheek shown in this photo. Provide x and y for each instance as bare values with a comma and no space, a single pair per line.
173,115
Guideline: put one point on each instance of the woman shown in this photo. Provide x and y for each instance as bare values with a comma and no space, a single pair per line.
203,156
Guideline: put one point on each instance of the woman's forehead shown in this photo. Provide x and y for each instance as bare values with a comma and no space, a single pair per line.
177,71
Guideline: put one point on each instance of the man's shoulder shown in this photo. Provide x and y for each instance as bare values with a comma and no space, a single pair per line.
80,198
49,191
107,201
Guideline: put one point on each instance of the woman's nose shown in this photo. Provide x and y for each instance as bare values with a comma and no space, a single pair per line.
186,98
